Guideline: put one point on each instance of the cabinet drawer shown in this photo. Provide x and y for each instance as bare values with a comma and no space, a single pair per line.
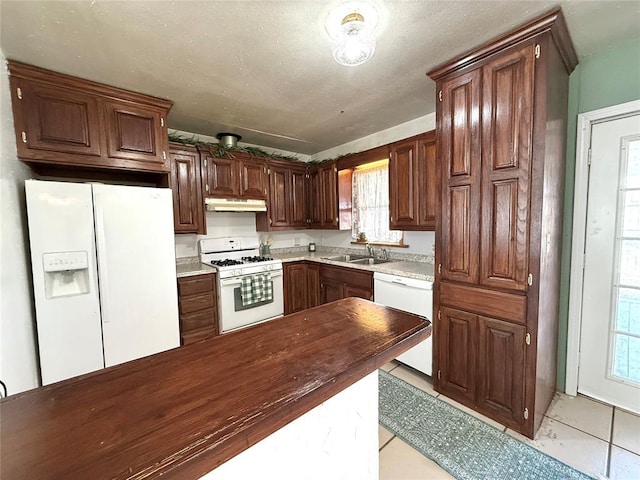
349,276
502,305
197,336
196,321
197,284
195,303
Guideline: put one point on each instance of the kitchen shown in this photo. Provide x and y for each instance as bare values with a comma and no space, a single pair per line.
20,310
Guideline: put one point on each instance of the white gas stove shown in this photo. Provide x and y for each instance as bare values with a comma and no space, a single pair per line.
250,287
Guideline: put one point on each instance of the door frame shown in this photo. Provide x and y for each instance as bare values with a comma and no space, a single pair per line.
580,196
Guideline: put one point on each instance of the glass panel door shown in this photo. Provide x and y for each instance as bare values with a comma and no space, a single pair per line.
625,335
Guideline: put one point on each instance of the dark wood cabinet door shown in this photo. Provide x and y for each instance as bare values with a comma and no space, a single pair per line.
331,291
295,287
57,119
507,118
426,185
185,182
457,344
279,202
136,133
253,178
314,194
222,177
501,370
329,195
459,128
298,198
313,285
353,291
403,198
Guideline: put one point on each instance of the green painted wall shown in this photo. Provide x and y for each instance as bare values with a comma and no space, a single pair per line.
603,79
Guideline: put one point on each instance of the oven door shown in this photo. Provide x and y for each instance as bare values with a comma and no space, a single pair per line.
234,315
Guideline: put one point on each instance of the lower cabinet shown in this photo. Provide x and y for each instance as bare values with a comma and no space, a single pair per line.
339,282
301,286
308,284
481,364
198,307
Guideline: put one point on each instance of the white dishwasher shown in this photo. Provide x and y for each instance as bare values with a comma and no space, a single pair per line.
413,296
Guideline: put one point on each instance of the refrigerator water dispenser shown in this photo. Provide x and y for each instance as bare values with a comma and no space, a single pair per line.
65,273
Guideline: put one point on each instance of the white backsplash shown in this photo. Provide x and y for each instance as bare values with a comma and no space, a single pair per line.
225,224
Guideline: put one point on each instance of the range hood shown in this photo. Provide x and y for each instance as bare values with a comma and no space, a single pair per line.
234,205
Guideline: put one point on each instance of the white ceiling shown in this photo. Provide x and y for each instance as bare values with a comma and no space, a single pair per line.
263,68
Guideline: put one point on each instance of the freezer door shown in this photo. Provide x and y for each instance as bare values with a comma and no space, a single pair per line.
65,284
136,270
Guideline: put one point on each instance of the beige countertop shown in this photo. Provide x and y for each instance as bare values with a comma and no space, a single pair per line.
403,268
189,266
186,267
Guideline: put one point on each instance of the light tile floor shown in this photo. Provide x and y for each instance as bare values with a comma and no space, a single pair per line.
593,437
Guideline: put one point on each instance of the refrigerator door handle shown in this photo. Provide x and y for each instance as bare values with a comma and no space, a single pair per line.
103,283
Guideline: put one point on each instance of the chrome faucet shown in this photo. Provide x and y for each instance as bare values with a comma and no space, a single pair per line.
384,255
368,249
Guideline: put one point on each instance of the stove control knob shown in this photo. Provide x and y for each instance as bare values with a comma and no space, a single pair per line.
237,272
269,267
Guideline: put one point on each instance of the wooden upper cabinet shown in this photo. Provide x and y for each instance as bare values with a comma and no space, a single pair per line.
185,183
57,120
298,202
287,202
66,121
136,133
427,190
507,119
221,177
413,183
403,195
237,176
329,195
459,140
253,178
315,198
279,199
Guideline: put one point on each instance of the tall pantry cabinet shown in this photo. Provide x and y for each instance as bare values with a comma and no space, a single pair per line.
501,125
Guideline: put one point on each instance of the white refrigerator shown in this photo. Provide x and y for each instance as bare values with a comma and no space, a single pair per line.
104,274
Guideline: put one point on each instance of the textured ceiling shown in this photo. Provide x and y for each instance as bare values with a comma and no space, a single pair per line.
263,68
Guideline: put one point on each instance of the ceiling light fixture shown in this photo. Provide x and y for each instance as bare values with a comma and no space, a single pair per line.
351,28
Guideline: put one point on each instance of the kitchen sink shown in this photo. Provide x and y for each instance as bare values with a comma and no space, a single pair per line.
370,261
346,258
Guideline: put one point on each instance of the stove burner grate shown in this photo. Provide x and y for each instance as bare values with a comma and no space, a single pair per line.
225,263
256,259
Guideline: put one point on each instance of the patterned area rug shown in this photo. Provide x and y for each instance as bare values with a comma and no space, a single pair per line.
463,445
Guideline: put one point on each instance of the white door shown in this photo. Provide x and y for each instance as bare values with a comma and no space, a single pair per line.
610,338
66,293
136,271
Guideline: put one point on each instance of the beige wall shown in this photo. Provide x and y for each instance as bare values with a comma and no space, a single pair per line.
18,361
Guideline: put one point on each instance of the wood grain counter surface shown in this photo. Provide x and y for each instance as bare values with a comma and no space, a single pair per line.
179,414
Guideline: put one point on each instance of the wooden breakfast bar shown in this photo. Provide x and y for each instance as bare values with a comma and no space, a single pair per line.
182,413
